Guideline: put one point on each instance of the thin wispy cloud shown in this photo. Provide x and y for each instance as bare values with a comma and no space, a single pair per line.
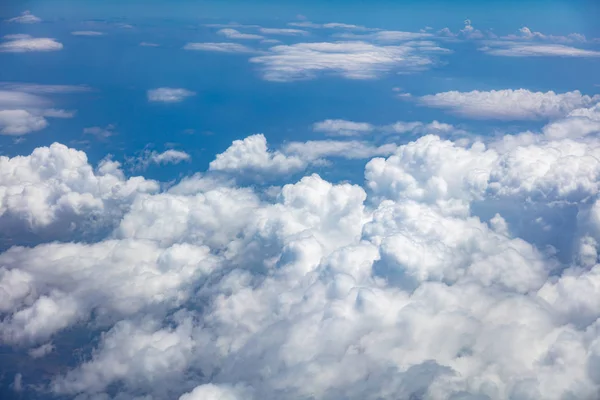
25,18
219,47
169,95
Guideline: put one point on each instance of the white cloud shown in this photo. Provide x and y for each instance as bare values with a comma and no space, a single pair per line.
468,32
330,25
527,34
509,104
19,122
340,127
22,112
43,89
30,44
148,157
519,49
251,156
26,18
149,44
87,33
354,60
169,95
283,31
100,132
235,34
386,36
456,272
219,47
169,157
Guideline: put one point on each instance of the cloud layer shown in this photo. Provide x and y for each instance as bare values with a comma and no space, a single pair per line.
455,272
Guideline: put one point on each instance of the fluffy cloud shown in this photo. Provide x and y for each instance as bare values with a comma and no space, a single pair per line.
235,34
354,60
169,95
456,272
509,104
340,127
251,156
22,112
219,47
26,18
23,45
87,33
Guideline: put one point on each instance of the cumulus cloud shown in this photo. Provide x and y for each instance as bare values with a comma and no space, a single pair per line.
169,95
354,60
87,33
509,104
29,44
455,272
235,34
251,156
219,47
26,18
329,25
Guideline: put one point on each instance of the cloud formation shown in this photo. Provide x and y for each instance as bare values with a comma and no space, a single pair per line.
22,111
87,33
235,34
169,95
509,104
520,49
353,60
26,18
29,44
219,47
455,272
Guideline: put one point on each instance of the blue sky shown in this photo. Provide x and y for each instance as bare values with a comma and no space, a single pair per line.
299,199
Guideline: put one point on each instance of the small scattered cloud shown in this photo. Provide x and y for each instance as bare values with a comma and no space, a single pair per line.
147,158
87,33
26,18
100,132
30,44
340,127
509,104
235,34
283,31
149,44
169,95
219,47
